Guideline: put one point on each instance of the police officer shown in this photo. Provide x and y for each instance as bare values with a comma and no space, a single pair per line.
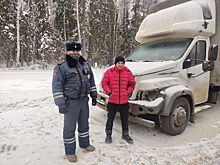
73,80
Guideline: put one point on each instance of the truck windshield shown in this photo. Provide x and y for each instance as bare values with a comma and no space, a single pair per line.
160,51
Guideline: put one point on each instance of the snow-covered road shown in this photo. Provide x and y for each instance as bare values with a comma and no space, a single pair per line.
31,131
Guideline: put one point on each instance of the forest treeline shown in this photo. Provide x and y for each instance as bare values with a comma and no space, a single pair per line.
34,31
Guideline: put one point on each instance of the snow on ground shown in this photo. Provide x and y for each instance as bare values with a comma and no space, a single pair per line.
31,131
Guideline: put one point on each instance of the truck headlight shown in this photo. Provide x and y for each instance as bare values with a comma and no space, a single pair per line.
150,95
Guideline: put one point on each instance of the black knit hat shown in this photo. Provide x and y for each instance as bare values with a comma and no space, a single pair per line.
72,45
119,58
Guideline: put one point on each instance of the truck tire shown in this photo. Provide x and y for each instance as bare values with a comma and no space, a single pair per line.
177,121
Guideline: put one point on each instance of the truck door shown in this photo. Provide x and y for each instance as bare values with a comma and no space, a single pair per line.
197,79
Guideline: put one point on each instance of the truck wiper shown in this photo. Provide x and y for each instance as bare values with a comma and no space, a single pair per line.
130,60
146,61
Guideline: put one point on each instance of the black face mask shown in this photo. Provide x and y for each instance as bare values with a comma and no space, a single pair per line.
72,60
75,56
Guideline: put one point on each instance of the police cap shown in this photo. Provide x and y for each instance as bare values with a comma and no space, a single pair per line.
72,45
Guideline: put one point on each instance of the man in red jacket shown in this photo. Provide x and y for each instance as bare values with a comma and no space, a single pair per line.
118,82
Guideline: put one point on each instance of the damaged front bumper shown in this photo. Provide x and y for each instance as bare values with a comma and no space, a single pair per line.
137,107
141,107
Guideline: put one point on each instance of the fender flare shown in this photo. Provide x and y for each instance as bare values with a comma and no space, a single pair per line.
172,93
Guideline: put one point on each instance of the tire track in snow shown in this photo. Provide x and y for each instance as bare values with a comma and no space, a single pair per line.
25,103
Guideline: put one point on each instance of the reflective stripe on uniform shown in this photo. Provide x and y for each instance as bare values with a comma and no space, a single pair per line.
57,95
85,134
93,88
69,141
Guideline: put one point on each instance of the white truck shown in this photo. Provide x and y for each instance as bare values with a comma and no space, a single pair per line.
176,65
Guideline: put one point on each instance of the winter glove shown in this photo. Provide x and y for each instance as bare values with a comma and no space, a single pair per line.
94,101
62,109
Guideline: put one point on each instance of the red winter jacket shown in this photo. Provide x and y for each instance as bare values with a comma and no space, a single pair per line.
118,84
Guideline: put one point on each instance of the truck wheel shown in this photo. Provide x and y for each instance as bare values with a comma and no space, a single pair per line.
177,121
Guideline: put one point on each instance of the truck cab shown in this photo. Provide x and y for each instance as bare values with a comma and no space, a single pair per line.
174,63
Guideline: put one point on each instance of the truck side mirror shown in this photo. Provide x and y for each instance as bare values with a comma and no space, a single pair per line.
213,52
187,63
208,66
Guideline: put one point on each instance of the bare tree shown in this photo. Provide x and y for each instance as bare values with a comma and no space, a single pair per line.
18,32
77,17
34,26
64,22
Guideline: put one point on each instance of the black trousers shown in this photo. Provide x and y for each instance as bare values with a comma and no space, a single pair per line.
112,109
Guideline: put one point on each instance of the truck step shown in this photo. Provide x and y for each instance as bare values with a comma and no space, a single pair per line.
201,108
143,122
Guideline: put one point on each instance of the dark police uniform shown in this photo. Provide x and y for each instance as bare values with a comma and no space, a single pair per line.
72,82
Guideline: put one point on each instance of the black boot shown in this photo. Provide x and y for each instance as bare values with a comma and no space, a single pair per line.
108,138
126,137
